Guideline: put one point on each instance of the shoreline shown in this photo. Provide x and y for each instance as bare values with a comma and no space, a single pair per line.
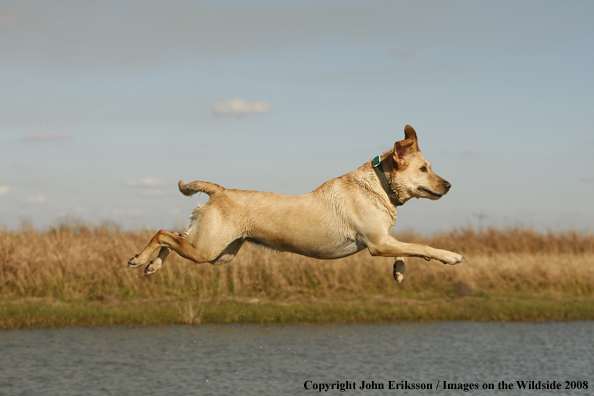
40,313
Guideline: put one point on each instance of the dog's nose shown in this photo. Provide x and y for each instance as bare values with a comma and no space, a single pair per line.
446,185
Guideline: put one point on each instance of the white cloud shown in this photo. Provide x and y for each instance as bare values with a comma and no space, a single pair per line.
240,107
37,200
51,136
146,182
4,190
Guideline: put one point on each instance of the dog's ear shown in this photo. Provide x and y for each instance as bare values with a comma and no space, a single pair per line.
402,152
409,133
405,148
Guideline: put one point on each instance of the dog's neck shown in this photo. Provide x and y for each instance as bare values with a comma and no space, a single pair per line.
378,167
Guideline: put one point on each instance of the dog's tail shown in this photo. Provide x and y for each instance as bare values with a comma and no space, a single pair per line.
199,186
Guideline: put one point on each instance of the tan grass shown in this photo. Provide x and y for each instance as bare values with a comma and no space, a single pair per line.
86,263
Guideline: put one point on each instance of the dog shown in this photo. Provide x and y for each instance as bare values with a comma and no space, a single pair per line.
341,217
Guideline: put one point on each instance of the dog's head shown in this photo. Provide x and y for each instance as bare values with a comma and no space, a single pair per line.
412,176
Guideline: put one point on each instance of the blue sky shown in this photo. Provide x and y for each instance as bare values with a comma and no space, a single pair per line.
105,105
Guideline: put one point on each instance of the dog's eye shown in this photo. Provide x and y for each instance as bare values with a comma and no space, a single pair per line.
424,169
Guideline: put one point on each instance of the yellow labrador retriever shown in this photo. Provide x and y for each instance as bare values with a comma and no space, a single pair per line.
341,217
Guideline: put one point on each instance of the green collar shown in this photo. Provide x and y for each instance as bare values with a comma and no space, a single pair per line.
379,171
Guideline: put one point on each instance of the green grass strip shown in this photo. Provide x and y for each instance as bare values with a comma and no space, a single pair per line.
24,314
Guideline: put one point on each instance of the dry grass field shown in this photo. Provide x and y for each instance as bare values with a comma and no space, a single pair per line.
77,275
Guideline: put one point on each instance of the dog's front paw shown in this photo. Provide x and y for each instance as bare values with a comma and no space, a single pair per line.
399,268
453,259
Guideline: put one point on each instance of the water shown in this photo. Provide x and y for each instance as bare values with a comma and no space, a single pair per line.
278,360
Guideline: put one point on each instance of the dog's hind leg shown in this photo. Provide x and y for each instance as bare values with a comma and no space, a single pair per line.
226,255
166,241
156,264
198,250
144,257
229,253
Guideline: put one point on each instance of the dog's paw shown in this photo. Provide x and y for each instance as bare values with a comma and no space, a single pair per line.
134,262
399,269
153,266
453,259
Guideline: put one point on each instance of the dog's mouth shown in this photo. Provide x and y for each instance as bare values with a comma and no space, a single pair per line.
430,193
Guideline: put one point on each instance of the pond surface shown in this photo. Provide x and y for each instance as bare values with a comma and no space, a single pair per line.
285,360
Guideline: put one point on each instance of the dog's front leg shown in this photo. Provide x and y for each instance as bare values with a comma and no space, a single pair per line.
391,247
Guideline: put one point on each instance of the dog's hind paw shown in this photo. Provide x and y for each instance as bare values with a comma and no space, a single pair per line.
134,262
399,269
153,266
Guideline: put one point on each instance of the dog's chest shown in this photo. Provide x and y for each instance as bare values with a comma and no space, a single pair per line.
346,248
